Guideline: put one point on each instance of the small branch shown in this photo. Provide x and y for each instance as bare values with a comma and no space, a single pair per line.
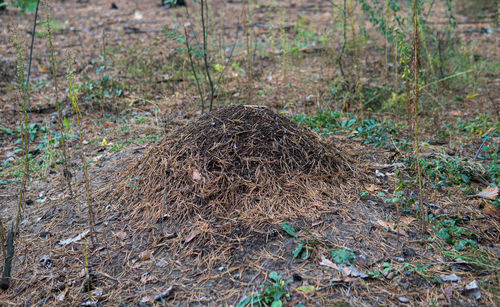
191,62
205,56
5,281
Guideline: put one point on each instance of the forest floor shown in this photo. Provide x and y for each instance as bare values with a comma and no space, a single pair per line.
298,196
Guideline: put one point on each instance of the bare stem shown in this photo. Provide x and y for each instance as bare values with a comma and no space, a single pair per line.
74,100
66,172
416,46
204,7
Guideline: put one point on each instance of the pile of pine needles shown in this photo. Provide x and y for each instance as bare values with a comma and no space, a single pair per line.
234,171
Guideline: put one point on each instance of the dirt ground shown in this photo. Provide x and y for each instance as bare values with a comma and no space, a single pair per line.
150,95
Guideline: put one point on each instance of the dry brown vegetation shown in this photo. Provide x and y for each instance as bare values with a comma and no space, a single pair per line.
199,208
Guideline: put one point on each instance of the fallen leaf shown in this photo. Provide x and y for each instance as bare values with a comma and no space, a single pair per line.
406,220
352,271
389,227
490,193
316,204
492,210
192,235
305,290
43,68
326,262
372,188
108,124
122,235
145,255
196,175
71,240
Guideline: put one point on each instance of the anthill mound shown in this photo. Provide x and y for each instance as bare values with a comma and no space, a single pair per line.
239,167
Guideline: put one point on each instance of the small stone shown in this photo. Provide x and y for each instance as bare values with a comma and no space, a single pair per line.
403,283
452,277
390,275
403,299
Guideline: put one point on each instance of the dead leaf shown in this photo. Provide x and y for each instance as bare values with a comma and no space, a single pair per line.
372,188
43,68
328,263
316,204
196,175
305,290
490,193
145,255
108,124
192,235
75,239
406,220
389,227
122,235
492,210
352,271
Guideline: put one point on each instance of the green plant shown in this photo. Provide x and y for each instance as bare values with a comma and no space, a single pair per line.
104,88
343,256
387,267
445,171
447,230
24,5
66,172
304,247
377,133
73,97
272,293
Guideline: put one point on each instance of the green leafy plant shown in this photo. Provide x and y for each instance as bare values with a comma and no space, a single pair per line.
272,293
444,171
343,256
451,233
304,247
377,133
102,89
24,5
386,268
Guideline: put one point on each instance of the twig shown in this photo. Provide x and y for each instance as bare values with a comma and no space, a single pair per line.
5,282
205,51
32,42
193,69
480,147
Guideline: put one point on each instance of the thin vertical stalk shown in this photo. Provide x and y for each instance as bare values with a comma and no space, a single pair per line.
246,12
2,239
32,42
386,41
416,46
193,69
344,41
66,172
24,101
356,58
74,101
204,8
